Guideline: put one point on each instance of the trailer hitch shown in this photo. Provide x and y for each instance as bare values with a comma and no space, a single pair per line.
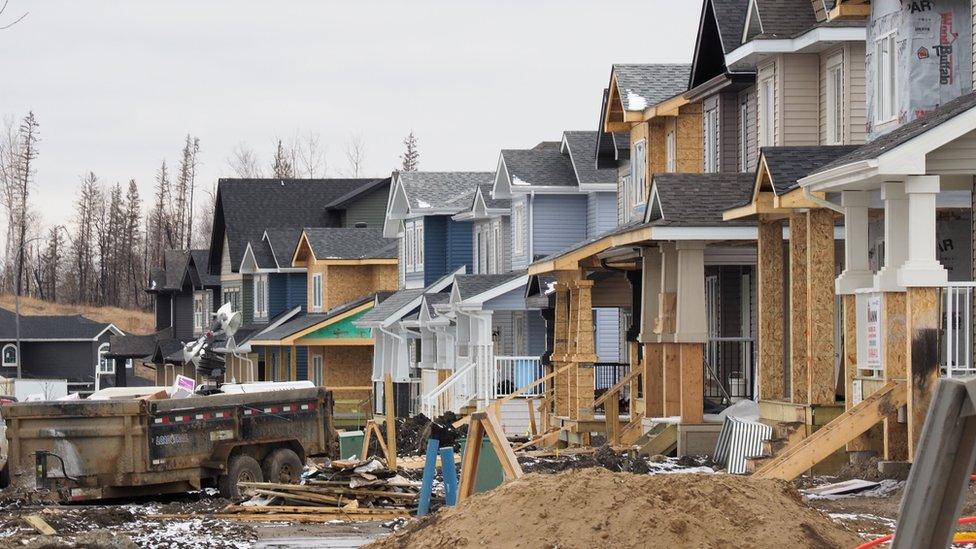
41,471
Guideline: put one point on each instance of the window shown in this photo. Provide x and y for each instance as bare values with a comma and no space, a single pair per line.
318,371
835,100
317,291
638,173
10,355
408,246
261,296
105,364
518,227
743,134
420,245
767,127
711,141
202,309
233,296
493,254
669,153
886,78
626,191
414,243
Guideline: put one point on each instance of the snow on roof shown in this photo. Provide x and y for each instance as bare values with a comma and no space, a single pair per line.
519,182
636,101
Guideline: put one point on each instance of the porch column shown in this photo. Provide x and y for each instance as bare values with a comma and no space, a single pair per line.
770,267
857,274
481,351
691,328
894,343
571,342
653,380
821,382
799,390
653,376
585,350
922,268
650,288
896,236
667,304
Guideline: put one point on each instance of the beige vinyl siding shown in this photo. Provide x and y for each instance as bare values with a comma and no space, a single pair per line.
973,11
798,100
767,71
226,269
956,157
752,133
855,104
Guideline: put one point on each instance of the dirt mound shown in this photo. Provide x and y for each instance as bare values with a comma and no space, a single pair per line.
598,508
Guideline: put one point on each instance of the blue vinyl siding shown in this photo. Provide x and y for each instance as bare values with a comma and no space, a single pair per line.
558,221
286,291
536,333
513,300
301,363
601,213
459,248
447,246
297,292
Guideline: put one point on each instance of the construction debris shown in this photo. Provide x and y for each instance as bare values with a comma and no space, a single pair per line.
672,510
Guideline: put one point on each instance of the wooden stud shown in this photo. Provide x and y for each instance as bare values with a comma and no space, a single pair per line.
770,267
612,412
894,344
635,365
653,380
531,405
469,462
922,358
503,449
294,363
821,383
798,308
281,363
692,386
672,379
391,445
36,522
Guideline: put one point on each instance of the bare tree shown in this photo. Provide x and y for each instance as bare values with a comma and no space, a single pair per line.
88,209
308,155
27,153
244,162
182,210
356,155
410,159
9,147
160,234
281,165
3,8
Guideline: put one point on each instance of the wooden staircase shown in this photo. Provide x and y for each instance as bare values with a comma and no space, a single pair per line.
786,434
661,439
797,458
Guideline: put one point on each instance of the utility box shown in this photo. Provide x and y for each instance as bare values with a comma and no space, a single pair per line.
490,474
350,444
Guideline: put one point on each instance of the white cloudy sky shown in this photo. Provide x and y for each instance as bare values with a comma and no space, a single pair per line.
116,85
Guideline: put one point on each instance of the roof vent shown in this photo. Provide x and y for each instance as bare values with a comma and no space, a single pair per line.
360,225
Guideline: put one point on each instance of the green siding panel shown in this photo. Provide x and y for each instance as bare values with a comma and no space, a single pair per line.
343,329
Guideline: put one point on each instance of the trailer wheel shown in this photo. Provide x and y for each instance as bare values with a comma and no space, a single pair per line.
283,466
242,468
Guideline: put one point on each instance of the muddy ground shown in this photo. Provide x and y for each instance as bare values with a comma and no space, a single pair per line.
139,524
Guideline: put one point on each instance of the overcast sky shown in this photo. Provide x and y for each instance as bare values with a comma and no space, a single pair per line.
116,85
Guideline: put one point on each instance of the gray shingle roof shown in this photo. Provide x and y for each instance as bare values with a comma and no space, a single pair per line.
699,199
169,277
136,346
52,327
493,203
785,18
475,284
442,190
435,299
263,255
788,164
730,16
249,206
642,86
350,243
582,150
201,262
391,305
899,136
282,243
540,166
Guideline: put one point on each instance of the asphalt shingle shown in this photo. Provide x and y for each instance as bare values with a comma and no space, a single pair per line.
699,199
785,18
730,17
645,85
442,190
282,243
788,164
582,150
540,166
387,307
472,285
350,243
60,327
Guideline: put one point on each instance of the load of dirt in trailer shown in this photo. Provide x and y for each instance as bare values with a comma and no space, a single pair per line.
599,508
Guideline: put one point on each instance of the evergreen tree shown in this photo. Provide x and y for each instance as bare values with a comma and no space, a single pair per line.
410,159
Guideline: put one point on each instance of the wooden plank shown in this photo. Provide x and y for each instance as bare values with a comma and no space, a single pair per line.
632,431
469,462
36,522
653,380
633,354
503,449
833,436
922,358
293,357
692,385
798,308
672,379
821,383
770,297
894,346
617,387
532,429
662,443
389,408
297,509
612,418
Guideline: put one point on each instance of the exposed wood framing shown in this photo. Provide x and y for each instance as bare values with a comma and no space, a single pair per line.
585,350
770,267
559,345
672,379
922,312
653,380
821,383
798,308
390,422
894,346
691,357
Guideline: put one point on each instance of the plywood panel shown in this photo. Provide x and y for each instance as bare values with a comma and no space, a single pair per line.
922,312
820,310
654,379
691,356
347,367
770,266
894,347
672,379
866,441
689,139
798,308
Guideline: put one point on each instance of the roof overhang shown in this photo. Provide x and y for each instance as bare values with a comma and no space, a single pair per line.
478,300
814,40
297,336
413,303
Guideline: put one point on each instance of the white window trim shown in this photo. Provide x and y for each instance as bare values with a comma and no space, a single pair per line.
743,134
638,171
102,351
4,355
419,237
317,375
518,227
767,111
260,285
495,238
880,116
670,152
317,291
834,99
710,141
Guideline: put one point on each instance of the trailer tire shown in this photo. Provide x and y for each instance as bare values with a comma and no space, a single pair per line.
283,466
243,468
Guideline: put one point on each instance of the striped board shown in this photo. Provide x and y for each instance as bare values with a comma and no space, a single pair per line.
738,440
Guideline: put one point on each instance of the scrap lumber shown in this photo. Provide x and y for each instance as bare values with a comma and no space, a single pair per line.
518,392
36,522
391,446
834,435
665,441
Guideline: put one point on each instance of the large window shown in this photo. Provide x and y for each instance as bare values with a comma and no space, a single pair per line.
105,365
711,140
767,119
10,355
638,173
202,309
670,152
317,291
261,296
518,227
317,375
835,100
233,296
414,245
743,134
886,78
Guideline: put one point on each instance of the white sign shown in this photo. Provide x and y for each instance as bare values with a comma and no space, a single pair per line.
873,331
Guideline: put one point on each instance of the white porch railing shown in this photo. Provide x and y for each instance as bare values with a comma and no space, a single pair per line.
512,372
956,349
451,394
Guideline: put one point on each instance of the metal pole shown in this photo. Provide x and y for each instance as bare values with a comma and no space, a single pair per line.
20,260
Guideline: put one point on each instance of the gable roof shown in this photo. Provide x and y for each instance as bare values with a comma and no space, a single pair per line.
468,286
541,166
404,301
784,18
441,190
356,193
51,328
696,199
169,276
582,147
720,30
787,165
199,262
245,208
645,85
730,16
281,244
349,243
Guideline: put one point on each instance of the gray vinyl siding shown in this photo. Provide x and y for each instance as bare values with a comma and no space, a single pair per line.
71,360
601,213
183,316
558,221
247,299
482,228
370,209
536,333
504,250
622,172
519,259
501,323
513,300
162,310
752,129
607,322
728,141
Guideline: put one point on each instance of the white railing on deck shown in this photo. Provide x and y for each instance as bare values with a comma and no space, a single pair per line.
415,395
513,372
451,394
956,351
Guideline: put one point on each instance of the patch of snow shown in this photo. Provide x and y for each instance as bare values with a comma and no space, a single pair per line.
862,517
519,182
746,410
883,489
550,287
423,204
635,102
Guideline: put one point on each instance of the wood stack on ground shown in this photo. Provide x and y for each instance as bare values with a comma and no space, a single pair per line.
342,490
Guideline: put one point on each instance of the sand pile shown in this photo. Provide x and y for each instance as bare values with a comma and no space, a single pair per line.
598,508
